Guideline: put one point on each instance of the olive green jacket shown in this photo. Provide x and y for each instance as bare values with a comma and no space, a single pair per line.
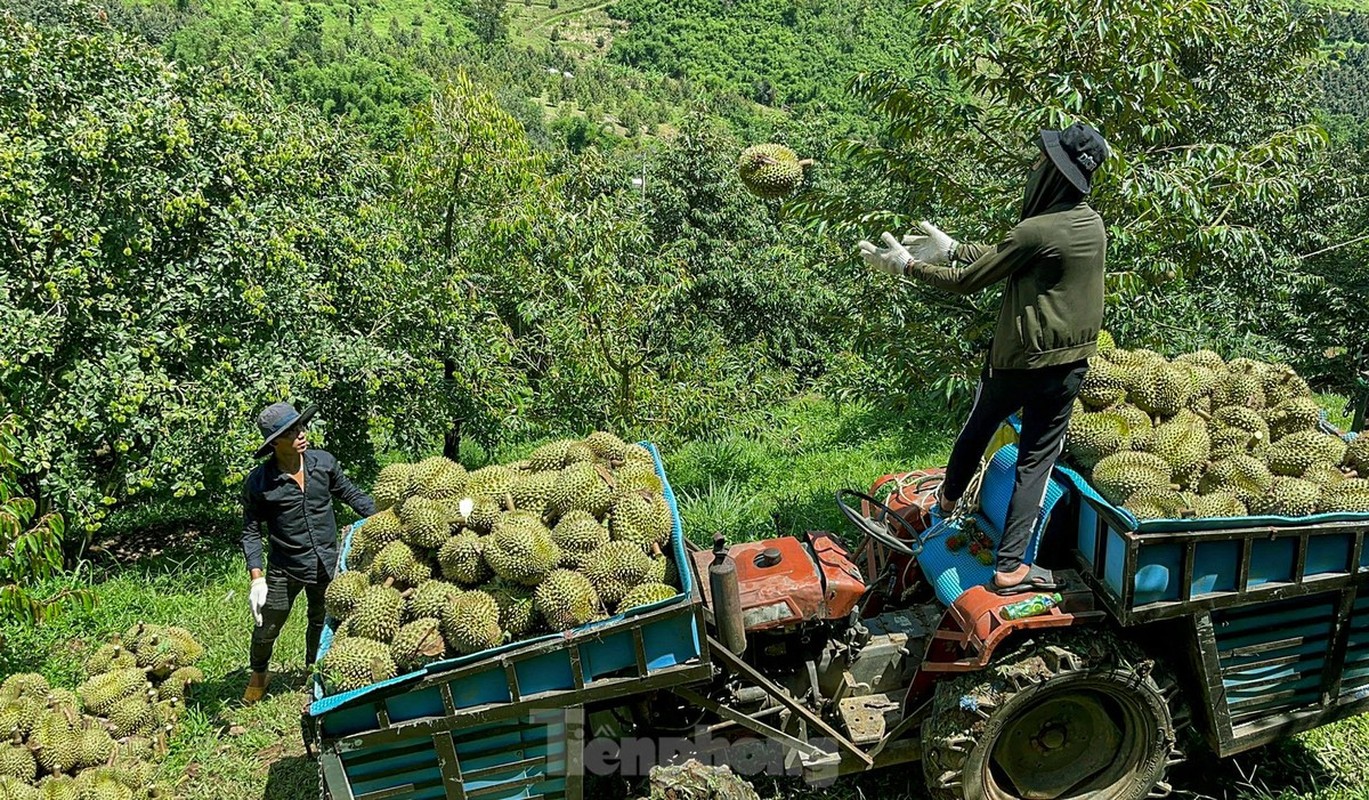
1053,302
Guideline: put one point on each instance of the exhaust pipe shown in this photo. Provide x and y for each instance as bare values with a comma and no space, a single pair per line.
727,598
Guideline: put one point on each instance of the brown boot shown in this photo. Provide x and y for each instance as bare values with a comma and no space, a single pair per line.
256,687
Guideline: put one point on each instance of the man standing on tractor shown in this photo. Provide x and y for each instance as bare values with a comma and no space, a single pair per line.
1047,328
292,494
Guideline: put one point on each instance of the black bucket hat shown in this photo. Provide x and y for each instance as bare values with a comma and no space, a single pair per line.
276,419
1077,151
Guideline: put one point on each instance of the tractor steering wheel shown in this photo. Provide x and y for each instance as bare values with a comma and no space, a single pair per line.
878,529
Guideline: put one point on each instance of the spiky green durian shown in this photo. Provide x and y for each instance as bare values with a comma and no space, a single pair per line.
354,663
579,453
158,654
1280,384
393,485
493,482
578,533
638,476
100,784
471,624
177,684
377,531
582,486
441,478
484,513
24,683
94,746
17,761
520,548
770,171
1287,497
517,613
615,568
1160,389
638,454
110,656
58,787
550,456
1293,415
1323,474
1357,455
427,525
399,562
1092,436
533,491
343,592
1105,342
1294,453
15,789
1104,385
1218,504
642,518
377,614
21,715
607,446
645,594
1244,476
101,692
462,559
429,599
1200,379
1156,503
566,600
663,570
1121,475
55,741
1348,496
135,716
1184,444
1203,358
418,643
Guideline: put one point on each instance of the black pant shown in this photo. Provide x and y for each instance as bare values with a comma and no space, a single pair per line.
1046,398
281,591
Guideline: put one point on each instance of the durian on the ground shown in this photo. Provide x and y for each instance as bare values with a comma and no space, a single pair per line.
458,561
1198,436
102,739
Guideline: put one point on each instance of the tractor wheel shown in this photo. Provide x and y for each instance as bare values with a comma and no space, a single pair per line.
1072,716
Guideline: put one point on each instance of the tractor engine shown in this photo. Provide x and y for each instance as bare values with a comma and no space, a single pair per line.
800,606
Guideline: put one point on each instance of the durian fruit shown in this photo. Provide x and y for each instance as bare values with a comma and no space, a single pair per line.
1104,385
1161,389
1280,384
427,523
1238,387
418,643
663,570
1139,422
353,663
517,613
1234,441
343,592
58,787
1105,342
377,531
177,684
1157,503
1349,496
395,482
642,518
94,746
1324,474
399,562
770,171
471,624
1241,418
1217,504
1244,476
1203,358
1091,436
135,716
429,599
579,453
1293,454
17,761
637,454
607,447
1293,415
581,486
550,456
24,683
110,656
520,548
64,701
1200,379
462,559
441,478
484,513
55,741
638,476
533,491
566,600
101,692
1357,455
645,594
159,655
1287,497
21,715
578,534
188,649
377,614
1121,475
1184,444
101,784
615,568
493,482
15,789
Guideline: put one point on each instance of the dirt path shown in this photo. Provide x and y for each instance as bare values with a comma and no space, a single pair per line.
560,15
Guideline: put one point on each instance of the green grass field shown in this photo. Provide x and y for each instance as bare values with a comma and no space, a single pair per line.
182,565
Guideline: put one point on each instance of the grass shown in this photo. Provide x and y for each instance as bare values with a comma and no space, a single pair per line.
181,564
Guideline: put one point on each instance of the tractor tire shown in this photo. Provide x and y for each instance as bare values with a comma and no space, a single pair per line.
1065,716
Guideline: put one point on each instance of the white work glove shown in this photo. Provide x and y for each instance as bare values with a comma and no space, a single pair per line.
257,598
935,247
891,259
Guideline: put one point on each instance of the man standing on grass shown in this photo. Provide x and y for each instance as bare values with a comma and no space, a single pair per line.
292,495
1052,265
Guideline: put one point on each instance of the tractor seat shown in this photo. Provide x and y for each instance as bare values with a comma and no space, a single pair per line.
953,572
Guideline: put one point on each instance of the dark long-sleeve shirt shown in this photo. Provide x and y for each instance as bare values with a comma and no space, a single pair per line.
1053,302
300,523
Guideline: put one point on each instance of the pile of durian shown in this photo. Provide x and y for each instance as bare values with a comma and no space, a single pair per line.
99,742
1199,437
457,562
